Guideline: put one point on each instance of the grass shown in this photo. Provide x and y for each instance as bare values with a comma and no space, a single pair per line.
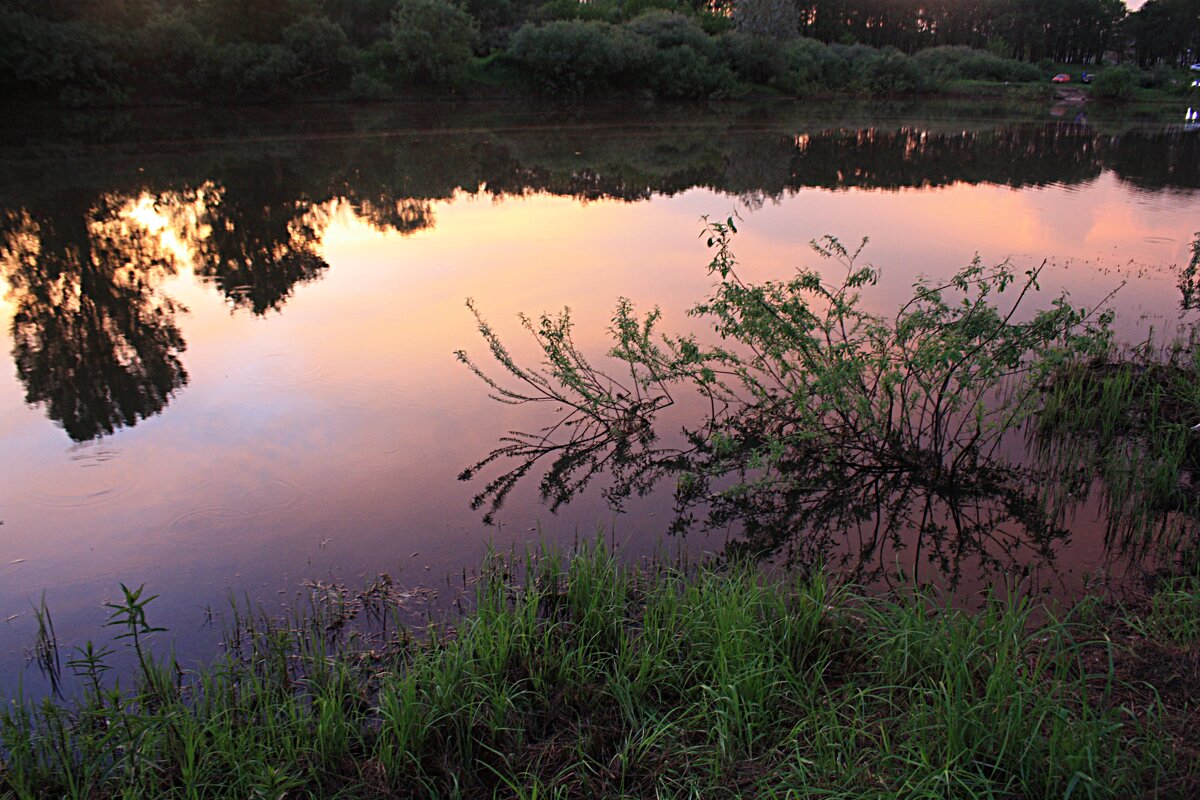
589,679
1127,420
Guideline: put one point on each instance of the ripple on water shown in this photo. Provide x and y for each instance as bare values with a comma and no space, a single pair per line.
216,522
99,477
282,369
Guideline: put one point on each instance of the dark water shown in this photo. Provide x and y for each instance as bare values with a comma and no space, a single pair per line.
231,334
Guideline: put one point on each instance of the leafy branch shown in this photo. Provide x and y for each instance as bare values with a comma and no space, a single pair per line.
822,415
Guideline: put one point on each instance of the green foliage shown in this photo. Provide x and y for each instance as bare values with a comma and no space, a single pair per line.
950,63
1172,613
1162,76
755,59
804,65
249,71
253,50
686,62
364,86
321,48
498,19
170,52
256,21
1115,83
73,60
430,40
892,72
631,9
577,58
821,412
682,73
667,29
1123,423
620,683
812,65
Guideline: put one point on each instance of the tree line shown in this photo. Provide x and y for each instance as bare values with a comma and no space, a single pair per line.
257,50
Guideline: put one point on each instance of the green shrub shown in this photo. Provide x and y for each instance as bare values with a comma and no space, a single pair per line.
666,29
681,73
249,71
61,59
1117,83
168,53
891,72
430,40
811,64
755,59
957,63
320,47
574,58
714,24
1162,76
364,86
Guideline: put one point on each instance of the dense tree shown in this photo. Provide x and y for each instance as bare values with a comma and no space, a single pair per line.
1166,31
430,40
84,51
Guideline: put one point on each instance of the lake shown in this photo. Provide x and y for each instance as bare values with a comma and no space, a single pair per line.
230,335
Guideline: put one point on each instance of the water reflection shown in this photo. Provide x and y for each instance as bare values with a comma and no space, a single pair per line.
94,339
260,248
830,434
86,249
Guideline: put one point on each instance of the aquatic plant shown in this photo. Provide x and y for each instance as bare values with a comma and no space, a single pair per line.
1125,425
823,418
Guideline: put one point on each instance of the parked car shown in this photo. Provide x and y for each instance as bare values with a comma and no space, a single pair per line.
1195,67
1061,77
1086,77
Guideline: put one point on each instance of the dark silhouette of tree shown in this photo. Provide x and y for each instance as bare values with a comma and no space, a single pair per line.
266,218
1166,31
94,340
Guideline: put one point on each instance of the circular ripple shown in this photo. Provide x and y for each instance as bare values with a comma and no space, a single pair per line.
221,521
100,477
282,369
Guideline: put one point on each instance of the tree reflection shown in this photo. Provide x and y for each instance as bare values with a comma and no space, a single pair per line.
94,340
258,251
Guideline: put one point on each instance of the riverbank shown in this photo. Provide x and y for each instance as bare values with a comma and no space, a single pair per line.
588,678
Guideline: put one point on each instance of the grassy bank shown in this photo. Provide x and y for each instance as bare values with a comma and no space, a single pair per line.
592,679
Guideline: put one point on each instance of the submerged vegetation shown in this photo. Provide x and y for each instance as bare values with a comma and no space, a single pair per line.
831,432
961,431
111,51
588,679
1130,421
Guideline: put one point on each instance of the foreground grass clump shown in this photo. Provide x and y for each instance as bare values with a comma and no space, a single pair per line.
595,680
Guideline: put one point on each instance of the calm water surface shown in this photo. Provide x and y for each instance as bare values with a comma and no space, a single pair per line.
229,336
